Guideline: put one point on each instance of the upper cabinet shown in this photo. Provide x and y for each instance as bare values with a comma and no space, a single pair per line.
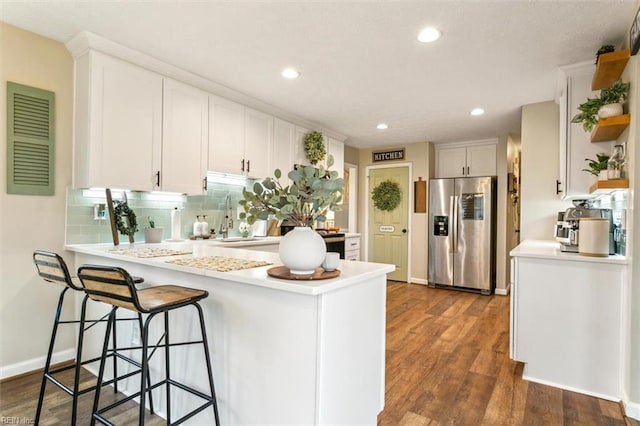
184,139
575,144
284,138
336,149
299,155
466,161
240,139
118,124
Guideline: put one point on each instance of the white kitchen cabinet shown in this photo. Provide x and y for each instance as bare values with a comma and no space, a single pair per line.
118,124
352,247
299,155
284,137
240,139
336,149
258,143
184,138
567,318
574,87
466,161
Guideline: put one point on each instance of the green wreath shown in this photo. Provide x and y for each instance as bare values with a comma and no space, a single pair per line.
386,196
122,209
314,147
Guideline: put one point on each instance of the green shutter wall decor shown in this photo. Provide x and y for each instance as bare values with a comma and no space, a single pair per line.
30,140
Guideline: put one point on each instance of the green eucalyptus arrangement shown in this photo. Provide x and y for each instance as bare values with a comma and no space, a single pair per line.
588,115
312,192
597,165
314,147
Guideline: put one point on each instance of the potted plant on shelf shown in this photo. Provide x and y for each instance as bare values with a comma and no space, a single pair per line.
598,167
312,193
151,233
608,104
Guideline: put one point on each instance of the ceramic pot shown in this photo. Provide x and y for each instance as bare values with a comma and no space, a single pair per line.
153,235
302,250
603,175
610,110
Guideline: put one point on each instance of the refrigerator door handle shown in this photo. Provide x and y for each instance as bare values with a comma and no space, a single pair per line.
455,223
452,224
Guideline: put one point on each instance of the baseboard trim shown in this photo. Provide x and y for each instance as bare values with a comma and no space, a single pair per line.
570,388
631,409
35,364
418,281
504,291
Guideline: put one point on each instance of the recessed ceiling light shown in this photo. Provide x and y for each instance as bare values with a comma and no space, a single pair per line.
290,73
429,34
476,111
382,126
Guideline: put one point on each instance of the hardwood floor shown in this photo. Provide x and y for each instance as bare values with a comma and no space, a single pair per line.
447,363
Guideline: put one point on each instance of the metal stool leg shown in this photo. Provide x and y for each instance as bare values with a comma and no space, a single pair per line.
148,374
76,380
47,364
207,357
144,335
105,346
167,364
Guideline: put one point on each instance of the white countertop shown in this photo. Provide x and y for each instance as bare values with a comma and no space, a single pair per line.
351,271
547,249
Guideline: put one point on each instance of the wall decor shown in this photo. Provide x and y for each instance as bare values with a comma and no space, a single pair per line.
386,196
634,34
394,154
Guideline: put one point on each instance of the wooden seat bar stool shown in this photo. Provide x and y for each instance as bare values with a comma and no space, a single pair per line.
52,268
114,285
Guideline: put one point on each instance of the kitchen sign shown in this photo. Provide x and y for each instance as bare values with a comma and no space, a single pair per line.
396,154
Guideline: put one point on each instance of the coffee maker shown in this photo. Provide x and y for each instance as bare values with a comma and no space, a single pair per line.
567,229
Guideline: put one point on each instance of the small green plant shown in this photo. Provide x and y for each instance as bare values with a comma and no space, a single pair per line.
386,196
596,166
588,115
314,147
152,222
313,191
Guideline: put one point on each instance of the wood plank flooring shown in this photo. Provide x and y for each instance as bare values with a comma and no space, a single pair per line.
447,363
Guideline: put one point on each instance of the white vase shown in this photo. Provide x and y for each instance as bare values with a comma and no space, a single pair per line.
603,175
610,110
153,235
302,250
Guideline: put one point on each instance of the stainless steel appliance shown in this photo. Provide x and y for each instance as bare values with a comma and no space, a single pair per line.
462,233
567,230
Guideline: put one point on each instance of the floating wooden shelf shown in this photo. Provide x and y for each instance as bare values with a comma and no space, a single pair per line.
608,129
609,68
607,186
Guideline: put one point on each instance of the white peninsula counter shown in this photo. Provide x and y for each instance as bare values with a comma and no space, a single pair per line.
567,318
283,352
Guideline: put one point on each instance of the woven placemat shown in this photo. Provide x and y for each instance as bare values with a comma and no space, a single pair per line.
148,252
219,263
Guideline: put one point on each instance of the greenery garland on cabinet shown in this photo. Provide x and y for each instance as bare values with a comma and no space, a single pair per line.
314,147
386,196
121,210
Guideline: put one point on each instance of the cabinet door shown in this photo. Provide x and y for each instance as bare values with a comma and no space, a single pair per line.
336,149
451,162
481,160
575,143
123,142
184,138
299,156
284,135
226,136
258,141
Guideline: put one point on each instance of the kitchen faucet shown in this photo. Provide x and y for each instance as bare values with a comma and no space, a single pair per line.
227,223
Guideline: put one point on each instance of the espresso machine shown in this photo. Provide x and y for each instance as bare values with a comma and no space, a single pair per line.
567,229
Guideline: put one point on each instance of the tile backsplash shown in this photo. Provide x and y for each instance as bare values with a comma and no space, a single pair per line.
83,228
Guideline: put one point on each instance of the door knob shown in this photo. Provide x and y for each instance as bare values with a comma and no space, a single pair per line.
404,231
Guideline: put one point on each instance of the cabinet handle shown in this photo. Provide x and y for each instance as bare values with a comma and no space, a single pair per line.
204,184
242,165
558,190
248,166
467,170
158,178
462,170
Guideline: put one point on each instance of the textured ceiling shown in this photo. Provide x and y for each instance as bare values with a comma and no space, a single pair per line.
360,61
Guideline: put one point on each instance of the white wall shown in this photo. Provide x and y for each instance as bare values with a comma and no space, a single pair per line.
27,223
540,141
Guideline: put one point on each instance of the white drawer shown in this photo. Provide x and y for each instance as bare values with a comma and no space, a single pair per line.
352,243
352,254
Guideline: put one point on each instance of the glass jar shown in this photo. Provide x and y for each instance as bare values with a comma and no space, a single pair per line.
616,163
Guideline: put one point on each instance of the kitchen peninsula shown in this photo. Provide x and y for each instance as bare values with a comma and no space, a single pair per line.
283,352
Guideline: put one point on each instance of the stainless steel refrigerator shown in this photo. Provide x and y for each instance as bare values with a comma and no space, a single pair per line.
462,233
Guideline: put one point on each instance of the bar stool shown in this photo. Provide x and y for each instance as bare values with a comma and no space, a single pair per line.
52,268
114,285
